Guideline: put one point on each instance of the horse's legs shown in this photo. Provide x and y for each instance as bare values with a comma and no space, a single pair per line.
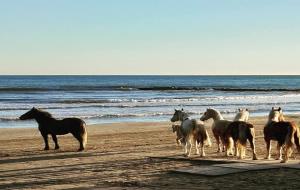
236,149
190,148
229,143
268,143
279,151
287,154
45,137
197,147
55,141
252,145
185,149
218,142
240,150
202,149
223,143
80,139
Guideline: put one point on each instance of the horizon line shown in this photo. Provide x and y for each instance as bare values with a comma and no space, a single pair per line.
149,75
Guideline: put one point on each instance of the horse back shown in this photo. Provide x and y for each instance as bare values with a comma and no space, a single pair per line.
240,130
64,126
278,130
220,127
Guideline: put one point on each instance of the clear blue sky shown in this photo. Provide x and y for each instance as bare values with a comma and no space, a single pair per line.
149,37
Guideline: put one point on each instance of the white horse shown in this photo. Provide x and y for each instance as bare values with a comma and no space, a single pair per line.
242,115
193,131
220,124
275,115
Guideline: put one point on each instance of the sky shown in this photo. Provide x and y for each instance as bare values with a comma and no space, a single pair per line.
190,37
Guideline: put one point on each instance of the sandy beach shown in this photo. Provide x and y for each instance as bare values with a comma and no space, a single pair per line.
125,156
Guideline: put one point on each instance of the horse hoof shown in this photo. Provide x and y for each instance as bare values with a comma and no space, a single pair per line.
56,148
46,148
81,149
283,161
254,158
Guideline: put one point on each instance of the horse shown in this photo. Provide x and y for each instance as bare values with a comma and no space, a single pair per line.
51,126
239,132
179,135
242,115
284,132
193,131
220,124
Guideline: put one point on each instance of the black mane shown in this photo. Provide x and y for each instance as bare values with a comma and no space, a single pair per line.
44,113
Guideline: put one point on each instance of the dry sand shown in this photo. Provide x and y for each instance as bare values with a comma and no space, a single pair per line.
124,156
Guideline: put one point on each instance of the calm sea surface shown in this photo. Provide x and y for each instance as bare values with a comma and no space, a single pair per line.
109,99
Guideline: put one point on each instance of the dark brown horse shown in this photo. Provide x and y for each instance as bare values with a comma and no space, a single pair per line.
51,126
239,132
285,133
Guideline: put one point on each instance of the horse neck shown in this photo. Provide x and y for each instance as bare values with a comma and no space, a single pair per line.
183,117
217,116
281,118
43,119
241,117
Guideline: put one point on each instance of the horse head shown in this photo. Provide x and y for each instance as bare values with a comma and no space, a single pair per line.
178,115
242,115
30,114
211,113
276,115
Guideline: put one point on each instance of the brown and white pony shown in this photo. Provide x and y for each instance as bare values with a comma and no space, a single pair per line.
193,131
237,133
284,132
220,124
179,135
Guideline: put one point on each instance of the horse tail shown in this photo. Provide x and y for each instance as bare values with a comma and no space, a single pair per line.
290,136
245,130
84,135
297,138
252,132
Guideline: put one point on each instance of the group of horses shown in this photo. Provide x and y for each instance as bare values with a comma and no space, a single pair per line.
236,133
192,132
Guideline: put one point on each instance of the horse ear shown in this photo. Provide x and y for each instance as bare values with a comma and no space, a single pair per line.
247,109
272,108
239,110
175,109
181,109
279,109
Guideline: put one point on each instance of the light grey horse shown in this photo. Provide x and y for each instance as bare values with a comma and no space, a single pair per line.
193,131
220,124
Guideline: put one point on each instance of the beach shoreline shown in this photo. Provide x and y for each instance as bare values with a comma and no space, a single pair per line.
118,156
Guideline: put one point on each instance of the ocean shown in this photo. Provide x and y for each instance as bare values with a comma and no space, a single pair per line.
110,99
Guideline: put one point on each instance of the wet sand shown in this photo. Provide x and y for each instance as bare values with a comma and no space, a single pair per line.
125,156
